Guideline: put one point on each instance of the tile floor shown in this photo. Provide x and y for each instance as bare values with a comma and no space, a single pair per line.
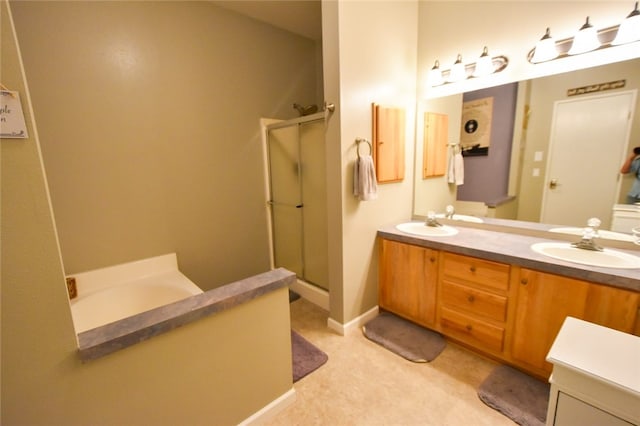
365,384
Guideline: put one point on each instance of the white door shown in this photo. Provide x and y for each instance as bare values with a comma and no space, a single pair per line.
589,137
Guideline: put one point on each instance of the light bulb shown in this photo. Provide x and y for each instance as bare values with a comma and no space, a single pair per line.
435,75
458,72
585,40
545,49
484,65
629,30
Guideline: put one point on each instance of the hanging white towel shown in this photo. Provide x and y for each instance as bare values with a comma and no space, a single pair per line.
455,171
451,172
458,168
365,186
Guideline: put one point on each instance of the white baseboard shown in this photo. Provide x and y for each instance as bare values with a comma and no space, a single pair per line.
359,321
313,294
272,409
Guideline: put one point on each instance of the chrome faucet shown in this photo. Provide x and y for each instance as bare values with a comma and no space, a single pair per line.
449,211
431,219
589,234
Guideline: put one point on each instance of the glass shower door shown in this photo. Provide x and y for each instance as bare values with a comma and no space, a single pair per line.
314,199
286,198
299,201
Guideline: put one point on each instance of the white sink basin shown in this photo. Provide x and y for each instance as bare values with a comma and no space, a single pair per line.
462,217
419,228
610,235
606,259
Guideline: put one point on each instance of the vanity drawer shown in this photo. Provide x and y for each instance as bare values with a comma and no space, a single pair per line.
475,301
471,330
492,275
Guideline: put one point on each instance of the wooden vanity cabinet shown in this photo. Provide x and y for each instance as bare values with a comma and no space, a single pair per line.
473,301
504,311
408,281
543,302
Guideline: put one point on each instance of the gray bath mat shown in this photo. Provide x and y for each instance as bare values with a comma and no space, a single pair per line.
306,357
404,338
518,396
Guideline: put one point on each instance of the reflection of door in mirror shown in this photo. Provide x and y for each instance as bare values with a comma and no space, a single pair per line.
583,130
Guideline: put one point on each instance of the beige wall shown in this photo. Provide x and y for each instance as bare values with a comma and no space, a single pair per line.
204,373
149,121
373,59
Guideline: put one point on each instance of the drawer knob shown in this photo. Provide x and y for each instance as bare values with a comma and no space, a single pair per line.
469,327
524,281
472,269
471,298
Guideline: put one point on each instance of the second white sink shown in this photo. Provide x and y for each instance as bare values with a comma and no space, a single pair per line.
419,228
606,259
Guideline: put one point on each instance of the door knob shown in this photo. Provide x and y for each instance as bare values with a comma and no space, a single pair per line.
553,183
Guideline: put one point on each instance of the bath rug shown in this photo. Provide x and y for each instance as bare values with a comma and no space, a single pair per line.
517,395
306,357
404,338
293,296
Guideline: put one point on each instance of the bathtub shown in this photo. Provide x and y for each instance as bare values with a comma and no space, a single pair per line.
110,294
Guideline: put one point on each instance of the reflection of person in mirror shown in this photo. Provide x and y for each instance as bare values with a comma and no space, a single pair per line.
632,165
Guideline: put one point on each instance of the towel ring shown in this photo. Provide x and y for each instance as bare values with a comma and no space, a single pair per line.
358,146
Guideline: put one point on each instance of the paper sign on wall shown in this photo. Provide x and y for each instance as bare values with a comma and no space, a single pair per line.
12,124
475,135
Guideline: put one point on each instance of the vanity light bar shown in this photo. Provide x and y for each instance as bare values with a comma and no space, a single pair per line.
587,39
485,65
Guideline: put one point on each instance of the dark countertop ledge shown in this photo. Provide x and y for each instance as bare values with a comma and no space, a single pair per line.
101,341
515,249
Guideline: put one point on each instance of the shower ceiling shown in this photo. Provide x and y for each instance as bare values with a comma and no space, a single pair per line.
302,17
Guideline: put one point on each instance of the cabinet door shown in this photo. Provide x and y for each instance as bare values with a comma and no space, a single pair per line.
571,411
612,307
388,143
543,302
407,284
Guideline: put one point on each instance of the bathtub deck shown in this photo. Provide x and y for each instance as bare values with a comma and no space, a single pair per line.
101,341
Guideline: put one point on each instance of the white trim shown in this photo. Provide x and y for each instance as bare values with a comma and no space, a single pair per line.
270,410
313,294
292,122
341,329
264,123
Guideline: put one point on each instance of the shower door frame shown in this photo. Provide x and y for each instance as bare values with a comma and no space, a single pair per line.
267,126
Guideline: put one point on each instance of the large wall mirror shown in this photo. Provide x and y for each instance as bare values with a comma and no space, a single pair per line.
542,145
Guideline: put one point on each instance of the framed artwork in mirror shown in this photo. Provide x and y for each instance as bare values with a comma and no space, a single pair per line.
475,132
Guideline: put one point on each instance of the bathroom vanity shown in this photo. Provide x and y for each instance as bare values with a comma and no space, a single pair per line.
491,292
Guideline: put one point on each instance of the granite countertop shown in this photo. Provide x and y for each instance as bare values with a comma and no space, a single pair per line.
514,248
129,331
